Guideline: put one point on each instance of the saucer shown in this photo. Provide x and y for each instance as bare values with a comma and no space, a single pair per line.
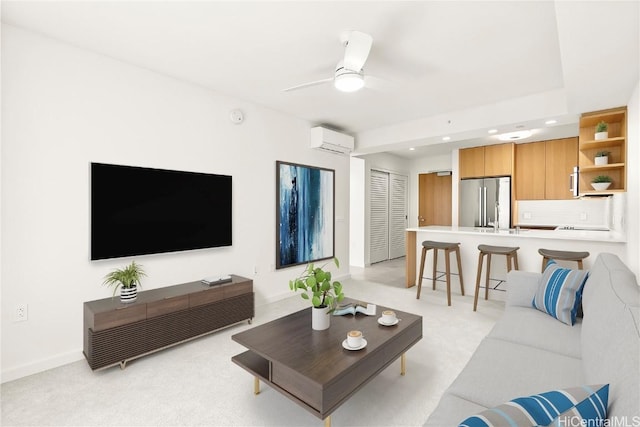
395,322
346,346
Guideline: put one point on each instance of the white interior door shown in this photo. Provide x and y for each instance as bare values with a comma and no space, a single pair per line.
388,216
379,216
397,215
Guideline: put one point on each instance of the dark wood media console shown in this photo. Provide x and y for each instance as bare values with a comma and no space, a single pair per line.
115,333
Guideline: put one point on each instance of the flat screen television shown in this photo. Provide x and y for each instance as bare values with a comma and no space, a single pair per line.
139,211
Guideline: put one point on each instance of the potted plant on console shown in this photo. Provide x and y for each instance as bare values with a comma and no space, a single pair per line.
601,182
601,131
602,158
316,286
127,279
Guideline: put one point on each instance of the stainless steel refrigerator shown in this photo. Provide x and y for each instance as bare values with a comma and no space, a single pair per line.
484,199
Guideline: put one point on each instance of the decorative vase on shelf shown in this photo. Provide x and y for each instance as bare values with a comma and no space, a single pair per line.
601,135
600,186
601,131
602,160
129,294
320,318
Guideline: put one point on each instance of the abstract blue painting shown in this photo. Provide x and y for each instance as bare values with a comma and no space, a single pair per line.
305,214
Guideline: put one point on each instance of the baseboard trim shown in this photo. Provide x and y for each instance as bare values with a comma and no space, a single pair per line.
40,366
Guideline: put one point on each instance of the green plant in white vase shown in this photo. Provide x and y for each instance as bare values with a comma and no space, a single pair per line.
601,182
316,286
602,157
601,131
126,279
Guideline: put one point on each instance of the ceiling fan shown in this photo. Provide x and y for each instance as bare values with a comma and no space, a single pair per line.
349,75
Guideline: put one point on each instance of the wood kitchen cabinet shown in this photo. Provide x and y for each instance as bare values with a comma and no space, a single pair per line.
616,144
542,169
488,160
561,157
529,177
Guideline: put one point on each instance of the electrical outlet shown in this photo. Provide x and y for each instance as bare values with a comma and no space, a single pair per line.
583,216
527,215
21,313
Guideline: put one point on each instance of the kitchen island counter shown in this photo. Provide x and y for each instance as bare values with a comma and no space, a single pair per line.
529,241
589,235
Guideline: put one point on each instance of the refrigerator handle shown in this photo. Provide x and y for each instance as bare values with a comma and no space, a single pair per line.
484,207
480,206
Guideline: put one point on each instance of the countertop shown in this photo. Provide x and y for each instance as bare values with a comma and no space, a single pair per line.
587,235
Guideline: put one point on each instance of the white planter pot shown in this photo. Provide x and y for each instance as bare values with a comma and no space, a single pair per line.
602,160
601,135
600,186
320,318
128,295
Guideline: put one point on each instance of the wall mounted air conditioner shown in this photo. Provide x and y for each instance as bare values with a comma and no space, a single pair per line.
330,140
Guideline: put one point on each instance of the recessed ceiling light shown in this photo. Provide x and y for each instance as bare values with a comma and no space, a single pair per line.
515,136
446,138
493,131
412,149
551,122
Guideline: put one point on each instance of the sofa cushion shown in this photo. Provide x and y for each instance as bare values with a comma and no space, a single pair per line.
500,370
610,333
523,286
451,409
528,326
586,405
560,292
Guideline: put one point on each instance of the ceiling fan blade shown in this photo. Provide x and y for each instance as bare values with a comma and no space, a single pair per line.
303,85
378,84
357,50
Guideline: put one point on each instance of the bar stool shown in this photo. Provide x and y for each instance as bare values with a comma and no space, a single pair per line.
448,248
548,254
512,256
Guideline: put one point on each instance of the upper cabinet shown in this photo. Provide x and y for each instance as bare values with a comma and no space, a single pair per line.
542,169
489,160
614,144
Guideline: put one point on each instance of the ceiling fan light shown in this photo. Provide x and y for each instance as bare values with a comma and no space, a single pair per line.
349,82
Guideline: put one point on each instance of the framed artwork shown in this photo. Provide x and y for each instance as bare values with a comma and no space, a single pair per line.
305,214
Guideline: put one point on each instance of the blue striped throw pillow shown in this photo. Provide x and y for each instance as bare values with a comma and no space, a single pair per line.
560,292
579,406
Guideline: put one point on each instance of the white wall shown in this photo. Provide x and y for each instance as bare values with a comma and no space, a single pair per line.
63,108
357,212
633,182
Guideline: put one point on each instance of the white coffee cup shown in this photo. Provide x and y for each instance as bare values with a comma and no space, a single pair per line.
354,339
388,316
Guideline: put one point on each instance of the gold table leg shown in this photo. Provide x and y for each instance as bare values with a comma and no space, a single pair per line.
327,421
403,364
256,385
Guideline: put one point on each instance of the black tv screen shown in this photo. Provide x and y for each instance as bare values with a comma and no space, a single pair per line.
138,211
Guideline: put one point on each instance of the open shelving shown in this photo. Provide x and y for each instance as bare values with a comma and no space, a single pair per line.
616,144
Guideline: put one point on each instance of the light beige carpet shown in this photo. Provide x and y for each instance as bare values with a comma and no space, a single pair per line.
197,384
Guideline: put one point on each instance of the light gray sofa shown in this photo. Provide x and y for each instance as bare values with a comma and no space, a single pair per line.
530,352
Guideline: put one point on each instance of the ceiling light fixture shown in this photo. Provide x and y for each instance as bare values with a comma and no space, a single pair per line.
446,138
412,149
492,131
515,136
551,122
348,81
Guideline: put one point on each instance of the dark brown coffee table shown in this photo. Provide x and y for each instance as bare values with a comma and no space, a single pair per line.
312,368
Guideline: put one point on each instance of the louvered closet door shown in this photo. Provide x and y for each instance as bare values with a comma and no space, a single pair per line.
379,217
397,215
